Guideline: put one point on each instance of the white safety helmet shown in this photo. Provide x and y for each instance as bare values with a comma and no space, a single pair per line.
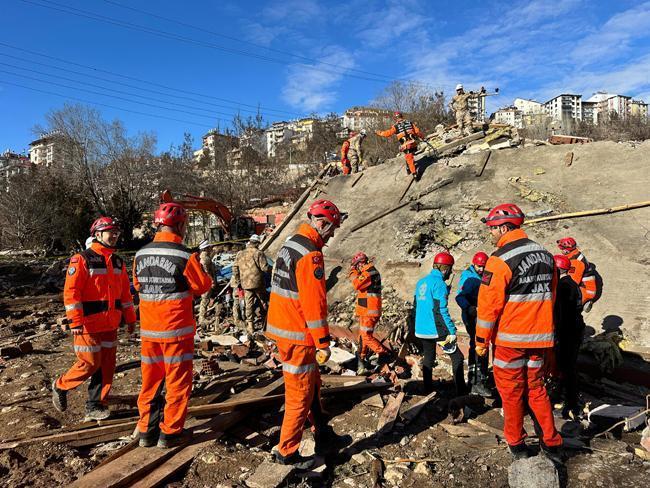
89,242
362,132
459,86
255,239
204,245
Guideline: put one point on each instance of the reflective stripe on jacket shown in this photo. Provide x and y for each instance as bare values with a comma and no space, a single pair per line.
581,273
515,301
432,319
298,303
401,129
367,282
97,292
168,276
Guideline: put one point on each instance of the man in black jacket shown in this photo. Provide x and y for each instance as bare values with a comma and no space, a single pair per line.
569,331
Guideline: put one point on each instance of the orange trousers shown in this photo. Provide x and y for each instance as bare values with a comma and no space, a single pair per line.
588,288
519,376
301,393
410,162
165,366
95,360
367,340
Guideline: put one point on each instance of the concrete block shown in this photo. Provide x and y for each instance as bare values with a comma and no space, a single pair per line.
269,475
533,472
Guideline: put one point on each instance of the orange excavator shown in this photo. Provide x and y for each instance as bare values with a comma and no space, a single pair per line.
239,227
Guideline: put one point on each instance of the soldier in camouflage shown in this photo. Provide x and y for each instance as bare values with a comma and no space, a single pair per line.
205,258
460,105
248,273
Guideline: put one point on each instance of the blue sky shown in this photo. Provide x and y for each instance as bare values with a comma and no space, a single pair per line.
295,57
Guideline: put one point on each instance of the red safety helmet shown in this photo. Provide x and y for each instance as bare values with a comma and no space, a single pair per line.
104,223
562,262
480,258
444,258
326,210
359,258
170,214
504,214
568,243
397,115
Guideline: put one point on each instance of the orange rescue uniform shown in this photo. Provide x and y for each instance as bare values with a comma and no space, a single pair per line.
297,322
515,312
367,282
345,162
97,298
580,273
168,277
407,134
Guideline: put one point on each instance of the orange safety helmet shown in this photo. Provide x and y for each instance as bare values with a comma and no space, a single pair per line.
443,258
359,258
480,258
562,262
104,223
170,214
506,213
567,243
326,210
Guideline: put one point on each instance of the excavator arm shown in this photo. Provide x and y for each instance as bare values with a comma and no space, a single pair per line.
192,202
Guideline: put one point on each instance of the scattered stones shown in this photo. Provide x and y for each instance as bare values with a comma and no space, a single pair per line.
269,475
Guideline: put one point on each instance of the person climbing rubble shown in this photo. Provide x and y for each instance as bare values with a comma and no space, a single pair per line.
205,258
97,298
352,153
460,105
515,313
297,322
467,300
582,271
433,324
248,273
366,280
407,134
168,277
569,331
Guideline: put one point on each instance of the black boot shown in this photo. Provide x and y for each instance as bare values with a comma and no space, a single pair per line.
167,441
520,451
326,440
299,462
59,398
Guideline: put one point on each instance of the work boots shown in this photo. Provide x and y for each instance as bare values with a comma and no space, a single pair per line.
59,398
98,412
326,440
167,441
301,463
520,451
479,385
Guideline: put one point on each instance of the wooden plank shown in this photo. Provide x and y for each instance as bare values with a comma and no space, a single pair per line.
389,414
485,427
483,164
406,190
116,430
356,180
409,415
135,465
587,213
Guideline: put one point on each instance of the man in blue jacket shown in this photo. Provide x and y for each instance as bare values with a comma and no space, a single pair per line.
467,300
433,323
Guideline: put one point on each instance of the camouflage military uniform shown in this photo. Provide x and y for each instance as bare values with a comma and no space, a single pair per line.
248,273
208,266
355,153
460,105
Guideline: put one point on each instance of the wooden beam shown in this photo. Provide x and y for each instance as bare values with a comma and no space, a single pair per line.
389,414
586,213
356,180
410,415
406,190
483,164
294,210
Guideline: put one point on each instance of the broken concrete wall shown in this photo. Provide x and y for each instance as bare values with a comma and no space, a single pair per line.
602,174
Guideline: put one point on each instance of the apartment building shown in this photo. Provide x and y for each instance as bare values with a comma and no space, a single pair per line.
564,107
47,150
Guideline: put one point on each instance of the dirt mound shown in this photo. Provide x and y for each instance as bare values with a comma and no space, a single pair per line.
601,174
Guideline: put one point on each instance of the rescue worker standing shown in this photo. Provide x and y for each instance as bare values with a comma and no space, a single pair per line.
433,324
460,105
297,322
248,273
366,280
467,300
515,313
168,277
205,257
97,297
407,134
581,271
569,330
